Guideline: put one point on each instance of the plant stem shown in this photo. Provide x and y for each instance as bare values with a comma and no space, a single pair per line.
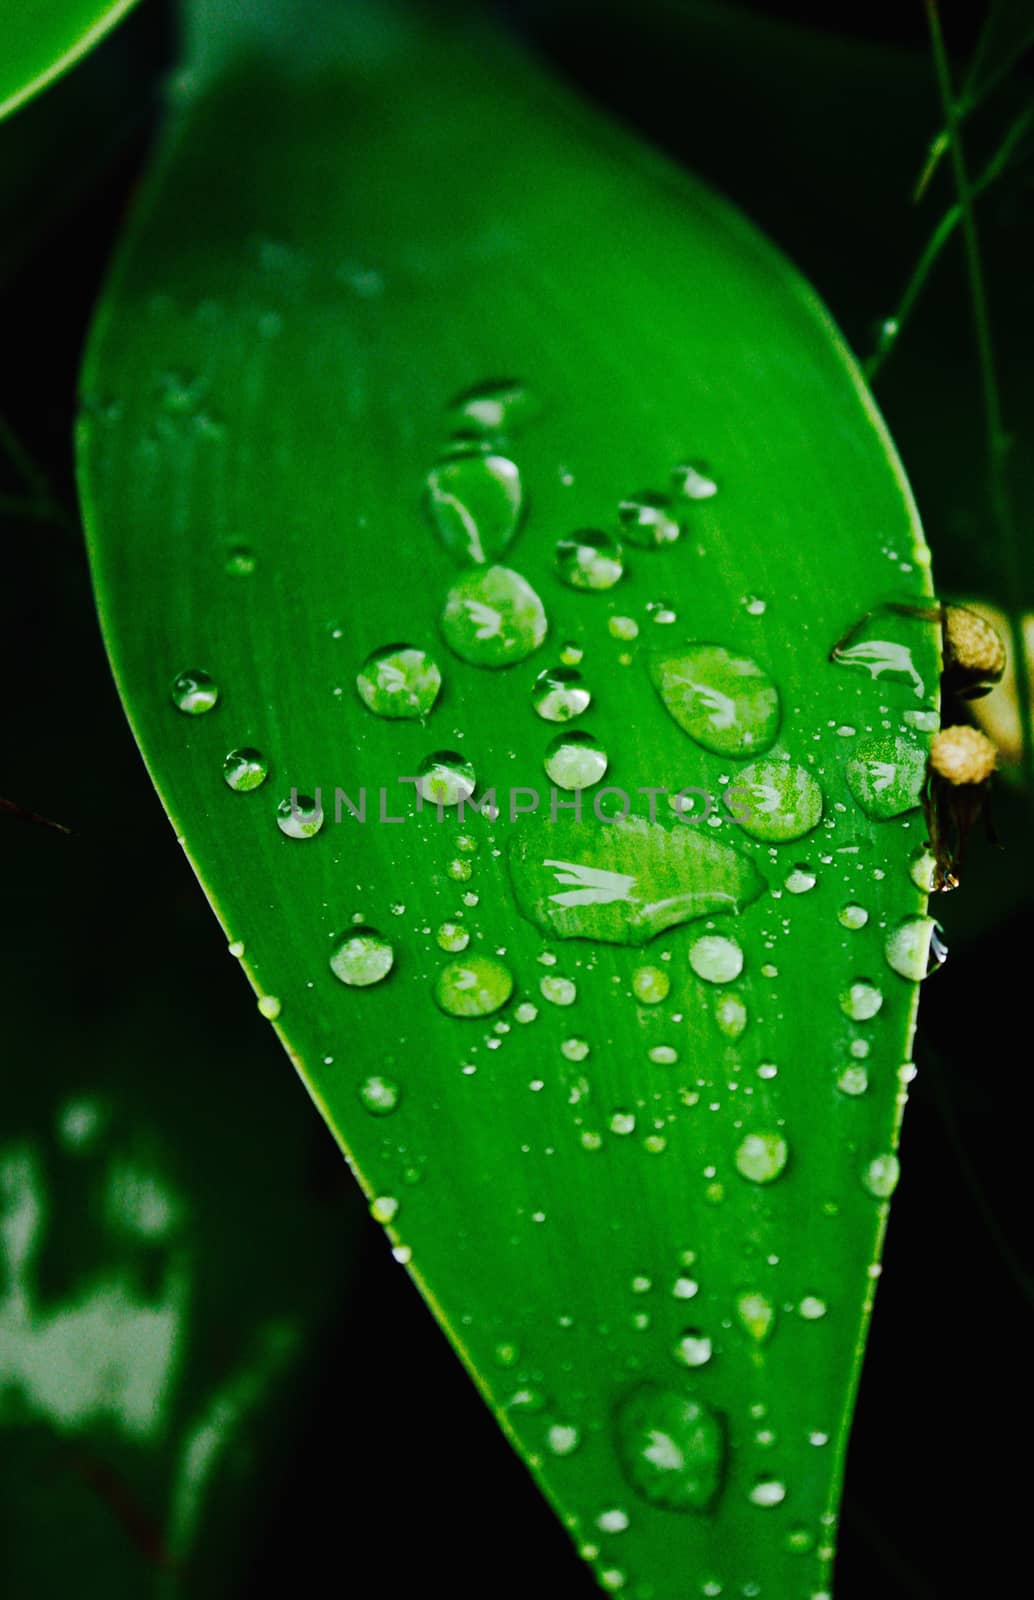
998,443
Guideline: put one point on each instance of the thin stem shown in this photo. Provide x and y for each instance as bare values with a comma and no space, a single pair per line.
998,442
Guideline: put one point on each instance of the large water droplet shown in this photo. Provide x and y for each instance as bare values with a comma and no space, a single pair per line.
624,881
497,405
362,957
880,1175
445,778
761,1157
473,986
399,680
882,658
493,617
575,760
861,1001
646,520
671,1447
194,692
589,560
299,817
915,948
775,801
560,694
716,959
475,504
727,703
245,769
886,775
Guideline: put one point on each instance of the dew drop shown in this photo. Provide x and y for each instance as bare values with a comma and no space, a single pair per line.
384,1208
194,692
399,680
559,991
853,1081
269,1006
615,1521
716,958
559,694
671,1447
379,1095
622,1123
800,880
693,1348
362,957
475,986
663,1055
694,480
756,1313
880,1175
245,769
730,1013
881,658
240,561
727,703
575,760
589,560
768,1492
812,1308
861,1001
299,817
886,776
650,985
852,916
475,504
574,1049
624,628
498,405
646,520
453,937
922,869
915,948
563,1438
761,1157
775,801
445,778
493,617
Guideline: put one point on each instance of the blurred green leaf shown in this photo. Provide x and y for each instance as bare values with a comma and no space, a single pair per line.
41,39
577,1175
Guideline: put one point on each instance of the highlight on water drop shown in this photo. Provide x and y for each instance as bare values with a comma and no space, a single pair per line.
245,769
194,692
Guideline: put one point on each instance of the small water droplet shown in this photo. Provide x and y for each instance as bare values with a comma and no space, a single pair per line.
575,760
379,1095
623,628
812,1308
563,1438
384,1208
362,957
475,504
245,769
727,703
559,694
915,948
498,405
922,869
775,801
445,778
715,958
559,991
240,561
801,879
671,1447
299,817
852,916
693,1348
493,617
730,1013
646,520
474,986
399,680
574,1049
269,1006
761,1157
614,1521
853,1081
622,1123
194,692
650,985
756,1313
453,937
768,1492
589,560
663,1055
694,480
880,1175
861,1001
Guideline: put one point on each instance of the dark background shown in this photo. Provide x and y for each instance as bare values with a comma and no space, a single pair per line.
815,120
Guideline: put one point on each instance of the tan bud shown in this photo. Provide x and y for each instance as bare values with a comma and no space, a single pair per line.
973,644
962,755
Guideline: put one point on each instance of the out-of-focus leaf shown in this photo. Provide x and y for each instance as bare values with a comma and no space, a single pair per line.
41,39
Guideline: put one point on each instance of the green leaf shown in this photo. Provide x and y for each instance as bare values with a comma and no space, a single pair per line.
643,1189
41,39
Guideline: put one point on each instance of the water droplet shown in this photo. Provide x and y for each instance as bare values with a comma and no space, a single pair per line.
589,560
563,1438
474,986
240,561
852,916
559,991
861,1001
853,1081
574,1049
671,1447
768,1492
725,702
812,1308
756,1313
526,1012
362,957
245,769
880,1176
453,937
475,504
194,692
622,1123
493,617
800,880
881,658
915,948
694,480
445,778
663,1055
560,694
269,1006
650,985
886,776
379,1095
625,881
623,628
299,817
498,405
575,760
399,680
775,801
799,1540
384,1208
761,1157
693,1348
646,520
686,1288
730,1013
716,958
922,869
615,1521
